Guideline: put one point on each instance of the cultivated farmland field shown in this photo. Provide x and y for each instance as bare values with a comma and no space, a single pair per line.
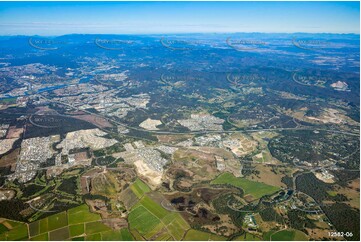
34,228
247,237
58,220
142,220
41,237
76,230
81,214
196,235
95,227
13,230
59,234
139,188
154,222
75,224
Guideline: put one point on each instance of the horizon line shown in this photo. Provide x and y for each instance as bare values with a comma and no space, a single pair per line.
187,33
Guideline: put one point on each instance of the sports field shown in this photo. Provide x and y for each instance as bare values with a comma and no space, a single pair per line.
256,189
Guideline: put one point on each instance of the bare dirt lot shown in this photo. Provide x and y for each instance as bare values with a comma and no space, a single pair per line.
97,121
14,132
10,159
173,138
153,177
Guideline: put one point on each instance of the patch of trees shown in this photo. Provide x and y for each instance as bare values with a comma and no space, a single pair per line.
249,170
310,185
221,206
69,185
269,214
95,196
99,153
340,198
103,161
4,171
11,209
115,148
77,150
48,162
31,189
287,180
298,220
344,176
314,147
345,219
180,174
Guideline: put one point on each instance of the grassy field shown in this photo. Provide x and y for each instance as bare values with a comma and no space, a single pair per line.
76,230
147,219
58,220
34,228
196,235
81,214
289,235
142,220
59,234
126,235
121,235
3,228
152,221
154,207
332,193
10,100
13,230
75,224
139,188
247,237
41,237
97,236
136,235
264,156
95,227
256,189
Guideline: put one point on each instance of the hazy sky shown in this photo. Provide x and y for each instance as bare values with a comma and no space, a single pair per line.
57,18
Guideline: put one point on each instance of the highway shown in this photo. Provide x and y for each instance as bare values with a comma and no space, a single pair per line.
200,131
